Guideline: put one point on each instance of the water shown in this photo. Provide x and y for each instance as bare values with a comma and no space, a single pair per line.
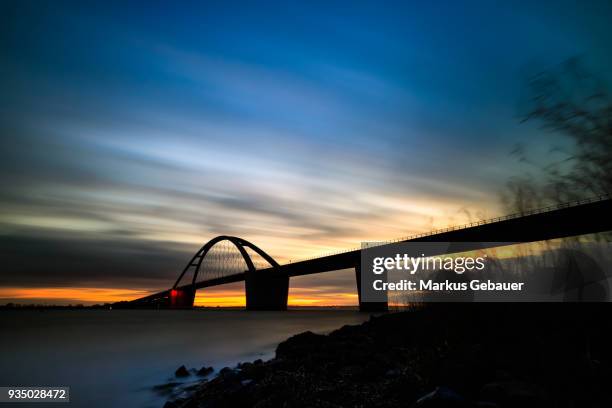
115,358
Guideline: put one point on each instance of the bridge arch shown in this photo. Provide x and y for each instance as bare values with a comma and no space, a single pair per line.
239,243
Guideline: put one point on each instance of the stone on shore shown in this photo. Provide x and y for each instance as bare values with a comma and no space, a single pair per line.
204,371
182,372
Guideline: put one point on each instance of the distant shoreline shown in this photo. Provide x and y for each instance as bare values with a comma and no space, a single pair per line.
17,306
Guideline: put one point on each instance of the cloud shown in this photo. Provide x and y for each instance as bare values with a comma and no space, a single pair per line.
86,262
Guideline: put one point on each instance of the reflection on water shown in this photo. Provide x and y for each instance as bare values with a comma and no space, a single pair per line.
115,358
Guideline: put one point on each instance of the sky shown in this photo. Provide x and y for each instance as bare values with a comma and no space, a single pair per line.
132,134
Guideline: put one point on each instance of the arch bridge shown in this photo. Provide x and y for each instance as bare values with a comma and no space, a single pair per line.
227,259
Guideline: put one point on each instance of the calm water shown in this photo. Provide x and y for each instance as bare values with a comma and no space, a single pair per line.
114,358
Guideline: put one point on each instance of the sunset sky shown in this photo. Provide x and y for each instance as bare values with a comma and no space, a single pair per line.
131,134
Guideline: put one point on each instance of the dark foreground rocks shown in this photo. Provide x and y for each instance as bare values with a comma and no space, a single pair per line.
204,371
181,372
447,355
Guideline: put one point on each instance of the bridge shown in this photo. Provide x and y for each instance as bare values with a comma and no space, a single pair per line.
228,259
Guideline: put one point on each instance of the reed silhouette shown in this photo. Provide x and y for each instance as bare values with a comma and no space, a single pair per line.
576,107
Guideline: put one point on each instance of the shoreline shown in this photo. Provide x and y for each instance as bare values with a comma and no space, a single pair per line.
459,355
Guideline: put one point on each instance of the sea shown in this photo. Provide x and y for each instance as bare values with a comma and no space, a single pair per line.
124,358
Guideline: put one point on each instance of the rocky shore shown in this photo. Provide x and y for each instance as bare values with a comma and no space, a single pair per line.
446,355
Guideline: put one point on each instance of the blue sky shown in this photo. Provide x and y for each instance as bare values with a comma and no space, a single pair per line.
132,134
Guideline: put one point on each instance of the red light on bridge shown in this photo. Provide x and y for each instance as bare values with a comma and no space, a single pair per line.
173,293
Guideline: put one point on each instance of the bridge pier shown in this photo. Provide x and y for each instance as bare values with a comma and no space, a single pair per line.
369,307
266,292
182,298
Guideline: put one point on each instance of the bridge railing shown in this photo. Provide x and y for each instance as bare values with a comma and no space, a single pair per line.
534,211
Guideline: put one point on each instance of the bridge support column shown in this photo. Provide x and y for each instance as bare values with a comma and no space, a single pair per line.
182,298
266,292
369,306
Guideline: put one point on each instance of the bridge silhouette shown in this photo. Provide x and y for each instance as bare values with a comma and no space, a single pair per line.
228,259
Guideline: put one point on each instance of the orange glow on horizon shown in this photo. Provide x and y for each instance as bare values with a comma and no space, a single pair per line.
69,295
297,297
218,297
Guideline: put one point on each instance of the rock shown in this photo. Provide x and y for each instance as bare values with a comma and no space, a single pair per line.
245,365
393,372
204,371
301,345
502,375
227,372
181,372
441,397
255,370
513,393
178,403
